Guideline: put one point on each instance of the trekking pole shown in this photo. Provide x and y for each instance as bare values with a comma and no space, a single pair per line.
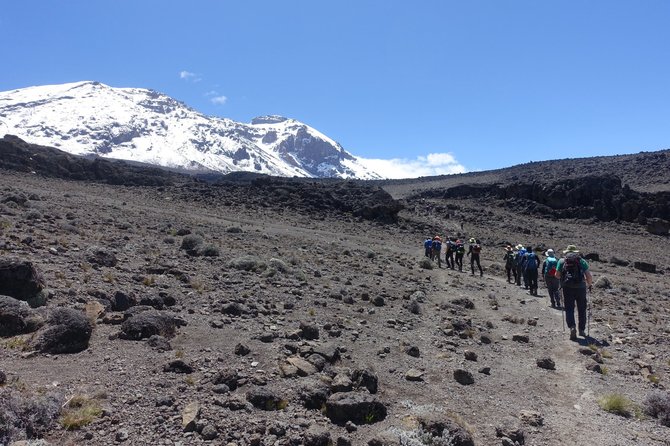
560,289
588,313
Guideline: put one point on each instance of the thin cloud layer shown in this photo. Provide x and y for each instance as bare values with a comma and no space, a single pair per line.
218,100
422,166
188,76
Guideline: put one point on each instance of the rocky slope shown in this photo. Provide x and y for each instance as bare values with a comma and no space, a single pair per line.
270,312
90,118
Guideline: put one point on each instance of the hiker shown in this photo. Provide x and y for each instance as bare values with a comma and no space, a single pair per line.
509,263
460,252
473,251
435,252
530,265
428,246
520,256
449,254
575,278
550,279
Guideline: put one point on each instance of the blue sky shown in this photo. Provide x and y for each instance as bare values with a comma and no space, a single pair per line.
428,86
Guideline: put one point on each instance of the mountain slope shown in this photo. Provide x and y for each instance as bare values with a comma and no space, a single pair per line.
147,126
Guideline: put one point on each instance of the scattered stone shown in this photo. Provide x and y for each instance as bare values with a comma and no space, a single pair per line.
149,323
265,399
546,363
603,282
178,366
531,417
365,378
304,368
658,226
414,375
190,416
463,377
308,331
16,317
100,256
645,267
485,370
378,301
341,383
413,351
209,432
159,343
521,338
470,355
242,350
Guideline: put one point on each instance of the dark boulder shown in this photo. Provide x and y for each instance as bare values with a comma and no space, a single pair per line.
658,226
66,331
437,425
148,323
646,267
265,399
16,317
21,280
100,256
357,407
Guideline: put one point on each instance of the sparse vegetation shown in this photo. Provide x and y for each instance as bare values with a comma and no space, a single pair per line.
80,411
657,405
617,404
25,415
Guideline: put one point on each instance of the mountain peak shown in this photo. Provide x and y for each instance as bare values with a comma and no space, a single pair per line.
143,125
268,119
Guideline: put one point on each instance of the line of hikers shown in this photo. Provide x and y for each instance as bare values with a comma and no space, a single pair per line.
454,252
523,264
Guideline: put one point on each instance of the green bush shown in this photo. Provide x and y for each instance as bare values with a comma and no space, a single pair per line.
617,404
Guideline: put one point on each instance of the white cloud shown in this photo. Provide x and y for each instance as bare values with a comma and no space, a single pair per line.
188,76
421,166
218,100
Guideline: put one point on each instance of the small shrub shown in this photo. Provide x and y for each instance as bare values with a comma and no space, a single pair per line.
23,415
149,281
210,251
80,411
617,404
197,284
419,437
108,277
657,405
17,342
191,242
248,263
654,379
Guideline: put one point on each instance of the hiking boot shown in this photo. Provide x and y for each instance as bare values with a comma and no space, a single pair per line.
582,334
573,334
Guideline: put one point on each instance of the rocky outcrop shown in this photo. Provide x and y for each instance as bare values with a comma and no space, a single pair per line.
20,280
602,197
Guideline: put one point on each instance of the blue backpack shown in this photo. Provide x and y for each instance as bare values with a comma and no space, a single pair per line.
531,261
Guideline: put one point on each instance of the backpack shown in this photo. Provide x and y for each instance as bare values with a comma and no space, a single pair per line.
460,249
572,270
531,261
520,256
476,248
550,266
437,245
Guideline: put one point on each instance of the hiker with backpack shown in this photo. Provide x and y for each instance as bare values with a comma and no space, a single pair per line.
509,263
575,278
428,246
474,251
436,250
460,252
520,257
550,279
449,255
530,266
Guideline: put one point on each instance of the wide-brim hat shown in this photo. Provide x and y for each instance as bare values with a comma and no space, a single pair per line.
549,253
472,240
519,246
570,248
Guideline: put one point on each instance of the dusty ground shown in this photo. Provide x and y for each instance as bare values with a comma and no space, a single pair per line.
329,272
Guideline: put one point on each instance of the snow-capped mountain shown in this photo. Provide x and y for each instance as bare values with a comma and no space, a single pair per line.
143,125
